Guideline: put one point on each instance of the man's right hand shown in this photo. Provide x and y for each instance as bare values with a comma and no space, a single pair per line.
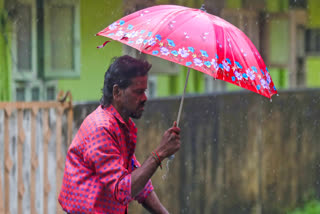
169,145
170,142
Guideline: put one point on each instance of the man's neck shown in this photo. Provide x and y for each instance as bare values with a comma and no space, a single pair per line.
121,112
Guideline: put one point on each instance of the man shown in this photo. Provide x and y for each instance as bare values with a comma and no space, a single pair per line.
102,174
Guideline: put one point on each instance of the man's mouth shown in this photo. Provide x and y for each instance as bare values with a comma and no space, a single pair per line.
141,107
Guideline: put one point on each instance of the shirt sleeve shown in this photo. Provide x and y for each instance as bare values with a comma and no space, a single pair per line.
148,188
103,154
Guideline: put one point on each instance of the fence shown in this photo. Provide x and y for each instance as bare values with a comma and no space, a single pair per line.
33,143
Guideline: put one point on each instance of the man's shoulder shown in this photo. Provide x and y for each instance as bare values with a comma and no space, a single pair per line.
100,118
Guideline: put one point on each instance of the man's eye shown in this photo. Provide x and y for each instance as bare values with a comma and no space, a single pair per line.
140,91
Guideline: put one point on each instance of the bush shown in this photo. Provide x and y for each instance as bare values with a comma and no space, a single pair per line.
311,207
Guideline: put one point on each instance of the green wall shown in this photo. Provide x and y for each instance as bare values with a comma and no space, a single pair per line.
277,5
94,62
4,56
314,15
234,4
313,73
313,62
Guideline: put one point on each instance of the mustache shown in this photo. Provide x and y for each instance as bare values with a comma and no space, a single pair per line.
142,104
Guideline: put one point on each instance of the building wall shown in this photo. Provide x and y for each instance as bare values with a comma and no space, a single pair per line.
4,56
280,76
94,62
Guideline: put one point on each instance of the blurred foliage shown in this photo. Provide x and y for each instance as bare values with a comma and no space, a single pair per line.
310,207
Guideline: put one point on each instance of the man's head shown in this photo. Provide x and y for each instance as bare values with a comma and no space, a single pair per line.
124,87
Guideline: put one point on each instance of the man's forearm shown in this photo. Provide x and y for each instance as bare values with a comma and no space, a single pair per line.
141,175
153,204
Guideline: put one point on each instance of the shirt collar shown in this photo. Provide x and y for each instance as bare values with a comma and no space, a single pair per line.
112,110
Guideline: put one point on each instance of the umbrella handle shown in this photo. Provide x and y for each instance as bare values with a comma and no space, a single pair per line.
171,157
181,104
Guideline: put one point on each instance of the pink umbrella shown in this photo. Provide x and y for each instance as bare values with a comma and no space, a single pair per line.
198,40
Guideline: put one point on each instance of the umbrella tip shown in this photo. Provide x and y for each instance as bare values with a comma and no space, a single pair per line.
203,8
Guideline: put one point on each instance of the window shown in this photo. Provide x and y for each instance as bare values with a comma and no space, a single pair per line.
62,39
152,86
277,42
313,41
27,91
50,90
298,4
24,46
20,92
49,28
35,94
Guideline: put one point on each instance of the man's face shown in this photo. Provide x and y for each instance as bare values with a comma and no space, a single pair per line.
133,97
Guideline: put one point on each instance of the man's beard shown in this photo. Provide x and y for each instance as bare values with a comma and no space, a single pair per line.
138,113
135,116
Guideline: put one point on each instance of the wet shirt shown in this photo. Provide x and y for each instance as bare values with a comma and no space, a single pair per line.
99,162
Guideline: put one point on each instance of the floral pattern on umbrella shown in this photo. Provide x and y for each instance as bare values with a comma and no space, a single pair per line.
198,40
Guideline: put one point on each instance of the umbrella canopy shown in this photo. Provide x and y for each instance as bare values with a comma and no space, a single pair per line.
198,40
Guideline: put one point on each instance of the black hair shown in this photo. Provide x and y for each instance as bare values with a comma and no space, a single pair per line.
120,72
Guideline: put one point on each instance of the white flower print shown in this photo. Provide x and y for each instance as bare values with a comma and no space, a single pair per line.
238,75
133,34
165,51
215,64
226,65
251,74
264,84
152,42
197,62
113,26
139,41
183,52
120,33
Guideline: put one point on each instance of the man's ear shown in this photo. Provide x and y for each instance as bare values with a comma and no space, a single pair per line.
116,91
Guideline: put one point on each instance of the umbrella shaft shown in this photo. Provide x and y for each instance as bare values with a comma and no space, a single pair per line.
182,98
179,113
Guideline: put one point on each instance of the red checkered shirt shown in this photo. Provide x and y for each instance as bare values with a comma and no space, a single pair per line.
97,175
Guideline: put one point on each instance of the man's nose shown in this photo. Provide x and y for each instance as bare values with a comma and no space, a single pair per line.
144,97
